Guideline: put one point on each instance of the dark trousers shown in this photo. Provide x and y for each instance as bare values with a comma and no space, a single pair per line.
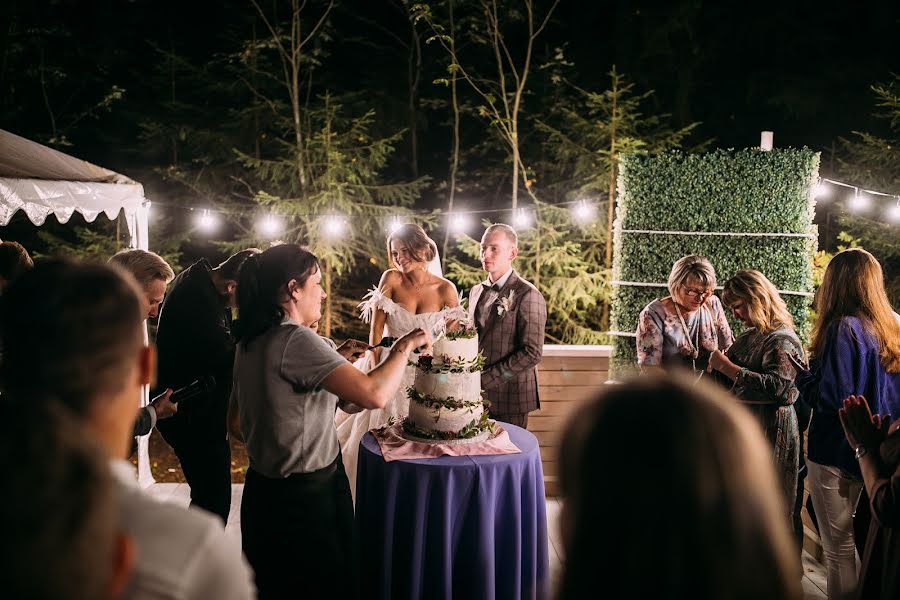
297,534
205,458
520,420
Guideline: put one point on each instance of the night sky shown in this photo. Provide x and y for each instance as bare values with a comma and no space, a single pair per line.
802,69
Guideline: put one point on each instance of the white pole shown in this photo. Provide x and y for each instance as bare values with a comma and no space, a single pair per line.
766,140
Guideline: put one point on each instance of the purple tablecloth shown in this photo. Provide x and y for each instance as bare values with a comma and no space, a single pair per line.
453,527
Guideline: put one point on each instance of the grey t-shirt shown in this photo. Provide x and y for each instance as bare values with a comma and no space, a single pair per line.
286,418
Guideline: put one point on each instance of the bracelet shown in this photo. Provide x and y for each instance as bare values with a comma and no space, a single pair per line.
398,351
860,451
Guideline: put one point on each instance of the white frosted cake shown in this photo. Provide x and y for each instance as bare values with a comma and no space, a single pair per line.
445,399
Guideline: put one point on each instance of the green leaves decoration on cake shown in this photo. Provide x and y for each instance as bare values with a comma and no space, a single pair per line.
462,334
732,192
456,365
476,427
450,403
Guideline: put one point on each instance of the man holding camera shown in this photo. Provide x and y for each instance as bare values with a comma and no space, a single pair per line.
194,341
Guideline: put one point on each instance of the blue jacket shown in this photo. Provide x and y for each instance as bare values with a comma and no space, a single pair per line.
849,364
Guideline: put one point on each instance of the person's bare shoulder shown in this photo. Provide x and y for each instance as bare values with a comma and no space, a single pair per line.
448,293
390,280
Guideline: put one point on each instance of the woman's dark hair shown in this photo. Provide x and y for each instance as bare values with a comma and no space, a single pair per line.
262,286
684,470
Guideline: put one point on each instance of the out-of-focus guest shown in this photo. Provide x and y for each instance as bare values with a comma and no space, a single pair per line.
95,366
855,350
152,274
879,459
759,370
14,261
693,481
684,328
194,341
62,535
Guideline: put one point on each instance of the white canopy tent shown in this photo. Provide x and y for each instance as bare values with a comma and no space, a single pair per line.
41,181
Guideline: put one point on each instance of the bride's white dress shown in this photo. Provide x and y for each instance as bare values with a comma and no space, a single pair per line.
398,322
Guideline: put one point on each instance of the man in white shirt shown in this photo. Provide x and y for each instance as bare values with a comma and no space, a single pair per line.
72,332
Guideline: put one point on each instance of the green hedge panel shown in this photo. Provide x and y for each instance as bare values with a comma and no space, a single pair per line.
785,261
725,190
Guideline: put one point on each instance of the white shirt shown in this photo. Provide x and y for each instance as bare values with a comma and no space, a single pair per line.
491,294
182,553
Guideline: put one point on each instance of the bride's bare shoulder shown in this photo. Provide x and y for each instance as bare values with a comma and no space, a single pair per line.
448,293
390,279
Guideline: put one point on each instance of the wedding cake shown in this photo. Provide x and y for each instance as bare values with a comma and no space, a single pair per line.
445,398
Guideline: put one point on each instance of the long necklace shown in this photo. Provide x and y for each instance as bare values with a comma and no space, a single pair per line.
695,345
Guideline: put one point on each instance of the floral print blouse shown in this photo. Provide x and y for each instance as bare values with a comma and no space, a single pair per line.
662,340
766,374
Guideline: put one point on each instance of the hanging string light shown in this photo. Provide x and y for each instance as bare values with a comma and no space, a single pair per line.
207,222
522,219
270,226
394,224
333,226
584,212
459,222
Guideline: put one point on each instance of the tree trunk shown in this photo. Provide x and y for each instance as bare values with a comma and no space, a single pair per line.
414,73
454,158
294,63
611,192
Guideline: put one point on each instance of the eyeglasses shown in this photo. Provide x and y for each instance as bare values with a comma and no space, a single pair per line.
694,293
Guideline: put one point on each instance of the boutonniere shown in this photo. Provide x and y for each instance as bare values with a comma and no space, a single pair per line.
505,304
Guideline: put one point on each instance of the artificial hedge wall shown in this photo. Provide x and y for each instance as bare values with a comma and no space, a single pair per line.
725,191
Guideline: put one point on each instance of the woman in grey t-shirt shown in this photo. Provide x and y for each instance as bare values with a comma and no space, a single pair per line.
296,513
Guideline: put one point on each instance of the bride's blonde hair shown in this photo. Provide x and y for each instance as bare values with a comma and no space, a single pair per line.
420,246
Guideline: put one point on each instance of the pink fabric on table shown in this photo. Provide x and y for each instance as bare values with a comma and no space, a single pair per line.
394,447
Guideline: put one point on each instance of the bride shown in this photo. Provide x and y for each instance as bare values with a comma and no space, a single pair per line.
412,294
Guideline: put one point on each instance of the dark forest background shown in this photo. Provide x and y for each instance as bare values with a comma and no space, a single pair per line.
194,99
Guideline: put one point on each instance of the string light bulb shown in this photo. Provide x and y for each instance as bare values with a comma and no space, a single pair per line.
522,219
893,213
459,222
269,226
207,222
583,212
333,226
394,224
859,202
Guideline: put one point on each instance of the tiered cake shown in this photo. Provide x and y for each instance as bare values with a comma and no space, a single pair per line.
445,399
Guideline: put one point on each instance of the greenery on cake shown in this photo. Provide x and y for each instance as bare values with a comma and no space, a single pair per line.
473,429
448,365
450,403
462,334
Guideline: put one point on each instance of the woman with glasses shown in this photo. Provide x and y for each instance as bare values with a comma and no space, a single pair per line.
684,328
759,370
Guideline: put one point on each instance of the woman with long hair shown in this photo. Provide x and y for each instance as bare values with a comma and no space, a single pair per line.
694,494
759,370
684,328
296,513
855,350
411,295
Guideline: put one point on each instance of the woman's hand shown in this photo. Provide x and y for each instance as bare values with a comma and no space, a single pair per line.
860,427
417,340
353,350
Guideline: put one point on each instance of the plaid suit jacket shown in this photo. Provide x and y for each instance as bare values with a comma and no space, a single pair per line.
512,344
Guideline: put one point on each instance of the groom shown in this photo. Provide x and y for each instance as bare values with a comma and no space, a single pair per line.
509,314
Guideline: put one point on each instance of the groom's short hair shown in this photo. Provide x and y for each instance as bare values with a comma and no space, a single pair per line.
506,230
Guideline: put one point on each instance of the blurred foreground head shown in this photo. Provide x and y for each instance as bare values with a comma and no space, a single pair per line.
669,491
73,332
62,537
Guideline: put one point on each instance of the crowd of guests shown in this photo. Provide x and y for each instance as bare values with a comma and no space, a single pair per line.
695,475
850,385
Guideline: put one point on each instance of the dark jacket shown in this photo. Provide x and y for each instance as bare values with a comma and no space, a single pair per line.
193,340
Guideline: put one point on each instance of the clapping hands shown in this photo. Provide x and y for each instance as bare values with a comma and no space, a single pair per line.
860,426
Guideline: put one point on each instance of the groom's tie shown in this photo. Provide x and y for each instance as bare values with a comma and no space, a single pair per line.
487,295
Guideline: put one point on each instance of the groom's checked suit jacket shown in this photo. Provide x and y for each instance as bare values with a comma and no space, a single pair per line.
512,340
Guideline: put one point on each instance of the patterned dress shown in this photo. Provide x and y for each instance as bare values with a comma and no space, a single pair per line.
765,384
662,340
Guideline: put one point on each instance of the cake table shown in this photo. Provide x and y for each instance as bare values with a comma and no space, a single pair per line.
453,527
